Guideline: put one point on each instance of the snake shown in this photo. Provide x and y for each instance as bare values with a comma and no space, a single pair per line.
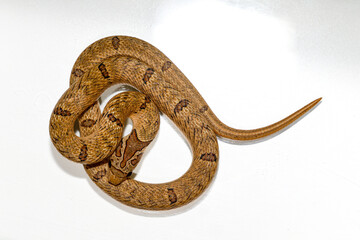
108,157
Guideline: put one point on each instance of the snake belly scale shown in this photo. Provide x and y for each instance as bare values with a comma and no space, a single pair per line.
109,158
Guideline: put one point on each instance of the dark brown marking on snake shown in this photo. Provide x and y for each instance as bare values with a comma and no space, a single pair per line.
118,149
112,118
211,157
204,109
135,161
147,100
61,112
100,174
172,195
132,145
78,72
143,106
179,107
166,66
88,123
149,72
103,70
118,122
83,153
115,42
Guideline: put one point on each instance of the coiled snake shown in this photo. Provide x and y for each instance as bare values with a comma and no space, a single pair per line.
110,159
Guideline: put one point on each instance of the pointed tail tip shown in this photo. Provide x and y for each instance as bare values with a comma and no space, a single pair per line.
306,108
317,100
310,106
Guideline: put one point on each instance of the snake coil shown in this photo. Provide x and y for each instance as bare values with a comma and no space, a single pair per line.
110,159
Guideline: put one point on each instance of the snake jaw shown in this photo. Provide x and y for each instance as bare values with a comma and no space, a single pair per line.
115,176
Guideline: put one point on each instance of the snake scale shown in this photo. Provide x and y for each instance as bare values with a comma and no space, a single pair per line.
107,156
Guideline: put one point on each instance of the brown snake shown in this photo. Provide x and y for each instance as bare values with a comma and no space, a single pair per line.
110,159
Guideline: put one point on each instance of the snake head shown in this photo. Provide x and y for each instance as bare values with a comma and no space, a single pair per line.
126,157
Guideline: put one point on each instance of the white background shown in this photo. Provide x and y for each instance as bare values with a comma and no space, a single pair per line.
254,62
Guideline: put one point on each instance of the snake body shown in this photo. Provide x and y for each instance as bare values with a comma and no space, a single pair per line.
107,157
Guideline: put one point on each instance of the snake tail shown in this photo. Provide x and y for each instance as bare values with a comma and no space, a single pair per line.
225,131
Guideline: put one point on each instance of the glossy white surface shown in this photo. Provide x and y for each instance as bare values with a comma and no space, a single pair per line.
254,62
